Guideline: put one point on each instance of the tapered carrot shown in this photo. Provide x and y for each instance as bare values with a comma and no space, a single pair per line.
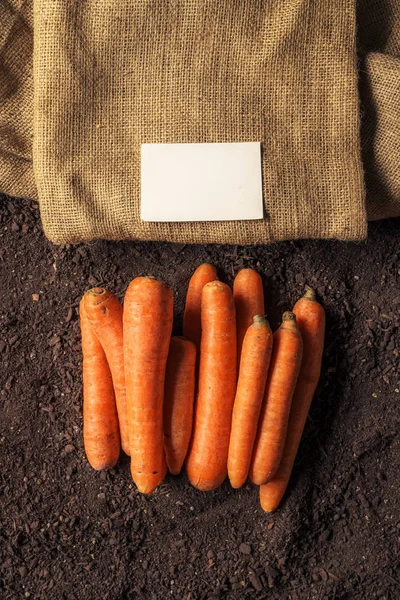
284,369
192,317
104,312
208,453
100,420
248,294
311,321
254,364
148,315
178,401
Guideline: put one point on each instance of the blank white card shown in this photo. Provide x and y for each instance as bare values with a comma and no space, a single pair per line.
201,182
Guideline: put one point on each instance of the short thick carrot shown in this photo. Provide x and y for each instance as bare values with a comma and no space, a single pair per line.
284,370
100,420
208,454
248,294
104,312
178,401
148,316
311,322
254,365
192,315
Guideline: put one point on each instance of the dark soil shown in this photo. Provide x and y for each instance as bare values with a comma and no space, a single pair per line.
67,532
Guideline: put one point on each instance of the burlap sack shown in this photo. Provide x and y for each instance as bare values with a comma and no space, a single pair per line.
111,75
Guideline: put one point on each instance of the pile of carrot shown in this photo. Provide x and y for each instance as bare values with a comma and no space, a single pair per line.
229,398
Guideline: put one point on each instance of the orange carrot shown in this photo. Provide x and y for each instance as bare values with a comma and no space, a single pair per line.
100,420
192,317
272,426
248,294
104,312
254,365
311,321
208,454
178,402
148,315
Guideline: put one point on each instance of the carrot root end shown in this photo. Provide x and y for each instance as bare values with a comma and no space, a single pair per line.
310,294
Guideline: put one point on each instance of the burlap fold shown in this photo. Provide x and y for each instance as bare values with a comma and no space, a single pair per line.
379,39
16,98
109,76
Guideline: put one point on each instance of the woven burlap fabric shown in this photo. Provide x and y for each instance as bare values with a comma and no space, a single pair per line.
111,75
379,37
16,98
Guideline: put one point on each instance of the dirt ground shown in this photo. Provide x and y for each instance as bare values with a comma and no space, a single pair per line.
67,532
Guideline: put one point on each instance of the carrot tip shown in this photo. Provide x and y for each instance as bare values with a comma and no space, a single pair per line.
268,509
97,291
269,503
104,465
288,316
174,471
260,319
310,294
216,283
236,483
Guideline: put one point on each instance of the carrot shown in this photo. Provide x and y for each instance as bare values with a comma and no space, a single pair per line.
254,364
208,454
272,427
248,294
100,420
178,402
192,317
311,321
104,312
148,315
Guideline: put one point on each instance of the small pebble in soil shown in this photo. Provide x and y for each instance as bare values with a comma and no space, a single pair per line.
245,548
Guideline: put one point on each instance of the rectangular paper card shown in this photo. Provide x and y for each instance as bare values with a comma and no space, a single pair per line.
201,182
